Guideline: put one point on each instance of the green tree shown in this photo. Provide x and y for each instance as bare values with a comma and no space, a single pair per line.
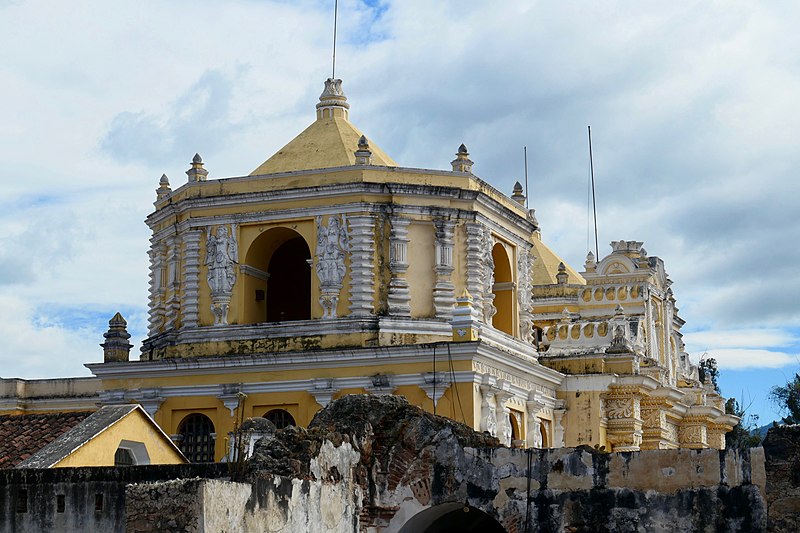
708,370
742,436
787,397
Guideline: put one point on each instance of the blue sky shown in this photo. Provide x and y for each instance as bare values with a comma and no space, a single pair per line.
693,109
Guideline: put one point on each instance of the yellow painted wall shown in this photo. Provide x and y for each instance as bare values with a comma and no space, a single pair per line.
100,450
420,275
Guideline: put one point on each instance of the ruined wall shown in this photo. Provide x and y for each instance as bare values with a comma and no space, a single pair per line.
79,499
782,451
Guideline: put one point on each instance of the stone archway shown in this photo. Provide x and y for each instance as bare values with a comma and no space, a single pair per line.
452,517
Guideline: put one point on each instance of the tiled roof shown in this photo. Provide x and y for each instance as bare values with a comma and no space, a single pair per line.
21,436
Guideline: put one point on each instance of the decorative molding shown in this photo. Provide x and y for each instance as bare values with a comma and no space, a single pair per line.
474,266
525,260
247,270
434,384
155,312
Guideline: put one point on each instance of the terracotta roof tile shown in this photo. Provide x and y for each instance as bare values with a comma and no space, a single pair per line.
21,436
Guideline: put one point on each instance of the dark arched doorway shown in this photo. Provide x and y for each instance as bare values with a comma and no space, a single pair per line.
452,518
278,278
289,283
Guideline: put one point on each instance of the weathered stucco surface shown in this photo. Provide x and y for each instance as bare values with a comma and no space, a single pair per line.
371,464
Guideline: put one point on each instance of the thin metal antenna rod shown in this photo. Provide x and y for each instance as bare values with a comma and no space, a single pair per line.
594,198
335,16
525,152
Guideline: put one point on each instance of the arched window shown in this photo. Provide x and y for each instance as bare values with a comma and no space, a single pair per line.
280,418
545,436
503,290
196,436
277,278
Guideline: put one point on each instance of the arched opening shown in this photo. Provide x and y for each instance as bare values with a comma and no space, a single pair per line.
280,418
131,452
277,278
196,438
452,517
503,290
545,436
516,432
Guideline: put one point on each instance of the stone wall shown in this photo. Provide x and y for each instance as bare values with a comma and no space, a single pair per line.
782,451
79,499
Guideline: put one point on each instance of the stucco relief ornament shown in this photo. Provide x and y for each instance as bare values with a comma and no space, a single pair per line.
489,310
524,296
619,408
222,254
332,246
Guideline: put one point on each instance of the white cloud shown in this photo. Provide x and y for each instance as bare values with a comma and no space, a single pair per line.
691,107
739,358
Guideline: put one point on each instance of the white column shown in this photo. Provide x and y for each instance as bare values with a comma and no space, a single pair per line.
444,297
399,295
173,283
474,264
191,278
155,313
362,264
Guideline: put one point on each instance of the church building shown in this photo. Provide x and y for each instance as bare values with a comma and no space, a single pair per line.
332,270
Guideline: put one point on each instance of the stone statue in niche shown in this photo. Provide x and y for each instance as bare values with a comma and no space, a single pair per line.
332,246
222,256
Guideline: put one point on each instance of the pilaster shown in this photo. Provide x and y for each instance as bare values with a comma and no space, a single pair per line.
191,278
362,264
155,312
399,294
443,289
173,303
623,412
474,264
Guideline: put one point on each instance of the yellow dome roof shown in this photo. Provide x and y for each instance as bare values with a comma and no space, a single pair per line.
331,141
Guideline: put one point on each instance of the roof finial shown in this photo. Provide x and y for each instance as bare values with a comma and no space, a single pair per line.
116,347
163,187
517,196
332,101
562,277
462,162
197,172
363,154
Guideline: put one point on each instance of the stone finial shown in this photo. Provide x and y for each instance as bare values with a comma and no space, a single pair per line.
116,348
591,264
197,172
517,195
462,162
332,101
163,187
363,154
562,277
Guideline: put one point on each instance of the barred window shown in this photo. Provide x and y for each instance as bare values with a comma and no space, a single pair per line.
197,439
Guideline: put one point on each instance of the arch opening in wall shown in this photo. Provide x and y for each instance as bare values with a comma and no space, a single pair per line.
503,290
131,453
516,431
545,435
281,418
452,517
196,438
277,278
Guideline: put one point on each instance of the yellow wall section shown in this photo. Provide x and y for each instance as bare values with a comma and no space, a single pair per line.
421,260
100,450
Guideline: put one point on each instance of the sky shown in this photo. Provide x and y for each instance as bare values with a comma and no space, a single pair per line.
693,108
